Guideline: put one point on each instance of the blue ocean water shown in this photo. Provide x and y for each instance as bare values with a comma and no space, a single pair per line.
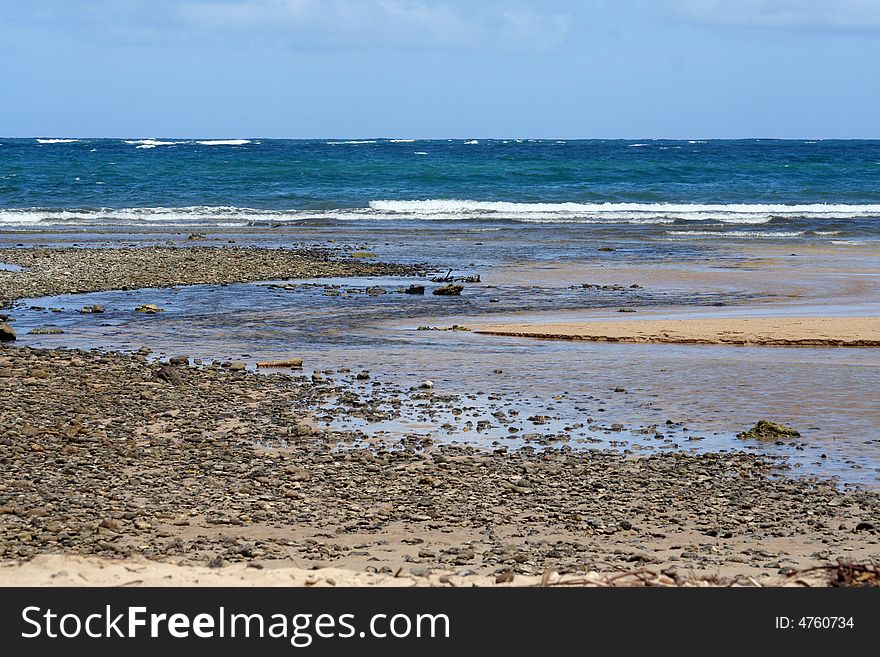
673,189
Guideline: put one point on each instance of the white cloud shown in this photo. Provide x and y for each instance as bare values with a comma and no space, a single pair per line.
786,15
420,24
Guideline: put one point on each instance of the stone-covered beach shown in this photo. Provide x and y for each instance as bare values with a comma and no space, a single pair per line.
202,463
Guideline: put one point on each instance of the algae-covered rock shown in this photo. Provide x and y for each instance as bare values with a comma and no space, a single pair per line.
449,290
766,430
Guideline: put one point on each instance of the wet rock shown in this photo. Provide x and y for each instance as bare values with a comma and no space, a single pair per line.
179,360
46,330
415,289
93,309
149,309
7,334
363,375
768,431
448,290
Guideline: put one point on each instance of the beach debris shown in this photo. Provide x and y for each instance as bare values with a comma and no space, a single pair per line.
454,327
449,290
6,333
766,430
605,288
449,278
95,308
149,309
289,363
414,289
46,330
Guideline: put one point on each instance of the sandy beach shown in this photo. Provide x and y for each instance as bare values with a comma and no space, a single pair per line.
766,331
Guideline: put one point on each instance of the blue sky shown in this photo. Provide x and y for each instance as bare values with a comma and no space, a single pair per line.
422,68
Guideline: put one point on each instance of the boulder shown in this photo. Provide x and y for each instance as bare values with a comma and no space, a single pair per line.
6,333
449,290
770,431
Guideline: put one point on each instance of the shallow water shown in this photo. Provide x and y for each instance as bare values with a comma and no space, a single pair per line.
712,391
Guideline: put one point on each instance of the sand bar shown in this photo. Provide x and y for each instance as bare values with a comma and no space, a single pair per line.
770,331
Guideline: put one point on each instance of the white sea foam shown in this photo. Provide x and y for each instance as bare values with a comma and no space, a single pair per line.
699,234
472,141
151,143
401,141
352,141
56,141
827,232
717,216
735,213
638,145
420,152
224,142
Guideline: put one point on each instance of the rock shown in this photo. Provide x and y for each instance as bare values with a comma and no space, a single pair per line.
376,291
606,248
6,333
449,290
149,309
864,526
46,330
166,373
178,360
766,430
626,310
415,289
93,309
237,366
427,385
362,375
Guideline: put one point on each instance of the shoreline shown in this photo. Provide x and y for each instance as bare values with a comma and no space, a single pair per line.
217,466
71,270
743,331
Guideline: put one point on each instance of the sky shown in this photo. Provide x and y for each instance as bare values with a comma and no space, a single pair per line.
440,69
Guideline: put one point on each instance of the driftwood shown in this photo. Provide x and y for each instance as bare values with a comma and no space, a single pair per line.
293,362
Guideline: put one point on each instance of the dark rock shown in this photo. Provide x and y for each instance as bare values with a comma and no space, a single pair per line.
449,290
770,431
6,333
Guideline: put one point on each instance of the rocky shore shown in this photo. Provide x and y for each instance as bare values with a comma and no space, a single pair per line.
115,456
51,271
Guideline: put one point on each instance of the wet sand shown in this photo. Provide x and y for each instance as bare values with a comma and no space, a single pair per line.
766,331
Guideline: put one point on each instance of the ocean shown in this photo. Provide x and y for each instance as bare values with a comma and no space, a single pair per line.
662,190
